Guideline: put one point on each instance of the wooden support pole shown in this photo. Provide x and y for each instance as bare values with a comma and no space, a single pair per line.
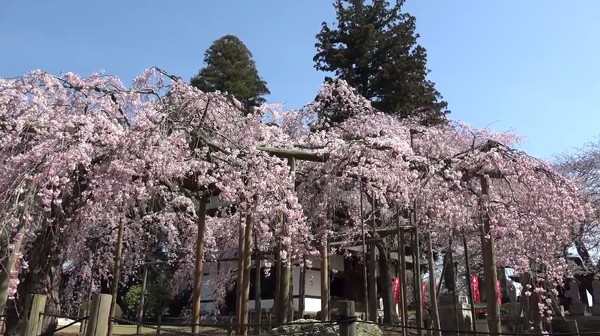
417,272
140,315
240,275
470,286
324,281
291,290
403,296
302,288
278,269
246,278
35,305
292,165
347,314
364,254
435,313
116,277
198,271
373,304
489,262
284,290
99,315
257,287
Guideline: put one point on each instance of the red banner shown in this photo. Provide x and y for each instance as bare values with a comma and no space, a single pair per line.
396,290
499,292
423,293
475,287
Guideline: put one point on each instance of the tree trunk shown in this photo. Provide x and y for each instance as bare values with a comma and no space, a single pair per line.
43,277
489,263
9,264
387,292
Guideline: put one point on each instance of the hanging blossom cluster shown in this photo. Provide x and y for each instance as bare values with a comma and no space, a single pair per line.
81,156
436,172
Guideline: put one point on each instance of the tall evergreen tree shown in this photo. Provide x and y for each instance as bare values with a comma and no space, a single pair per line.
229,68
374,48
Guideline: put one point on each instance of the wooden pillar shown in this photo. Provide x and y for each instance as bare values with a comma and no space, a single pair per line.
247,265
373,302
302,288
35,305
140,316
364,255
292,165
417,274
99,315
324,280
291,290
240,275
347,315
470,287
257,287
198,272
489,262
403,283
278,269
116,277
435,314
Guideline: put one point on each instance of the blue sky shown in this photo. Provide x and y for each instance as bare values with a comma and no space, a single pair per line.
533,66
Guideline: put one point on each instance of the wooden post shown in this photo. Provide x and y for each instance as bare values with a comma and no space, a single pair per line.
284,290
417,273
347,317
364,254
291,289
35,305
247,255
199,269
140,316
489,262
278,269
435,313
470,286
302,288
403,285
324,280
116,277
99,315
257,287
401,274
240,275
372,268
283,298
159,324
292,165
